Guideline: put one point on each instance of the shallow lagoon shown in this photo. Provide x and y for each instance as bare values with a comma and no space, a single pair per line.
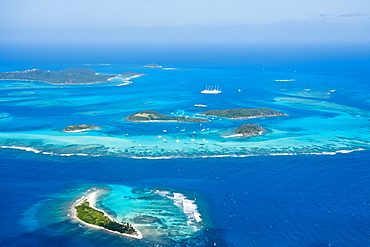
305,182
322,117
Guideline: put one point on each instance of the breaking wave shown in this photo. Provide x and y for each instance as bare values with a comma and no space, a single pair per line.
188,206
194,155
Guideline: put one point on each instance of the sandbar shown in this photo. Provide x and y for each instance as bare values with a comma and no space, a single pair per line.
81,130
235,135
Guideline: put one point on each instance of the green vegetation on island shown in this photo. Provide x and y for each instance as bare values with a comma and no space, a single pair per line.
153,116
249,130
80,127
66,77
241,113
97,218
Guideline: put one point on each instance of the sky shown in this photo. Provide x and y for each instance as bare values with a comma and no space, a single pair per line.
184,21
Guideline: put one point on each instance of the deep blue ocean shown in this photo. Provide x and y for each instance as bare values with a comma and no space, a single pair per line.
305,182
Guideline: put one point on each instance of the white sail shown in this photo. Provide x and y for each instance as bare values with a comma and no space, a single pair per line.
211,89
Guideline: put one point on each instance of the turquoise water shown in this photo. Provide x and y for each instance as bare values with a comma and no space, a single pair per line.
303,183
161,215
322,117
156,213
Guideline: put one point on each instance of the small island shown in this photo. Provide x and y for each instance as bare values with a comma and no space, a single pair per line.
77,76
96,217
80,128
153,65
247,130
85,211
153,116
241,113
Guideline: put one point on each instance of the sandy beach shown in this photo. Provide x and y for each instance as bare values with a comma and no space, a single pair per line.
242,135
91,198
81,130
235,135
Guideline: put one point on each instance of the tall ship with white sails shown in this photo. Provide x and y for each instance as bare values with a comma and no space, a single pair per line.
211,90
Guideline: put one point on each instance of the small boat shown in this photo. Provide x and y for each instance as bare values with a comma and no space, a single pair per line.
200,105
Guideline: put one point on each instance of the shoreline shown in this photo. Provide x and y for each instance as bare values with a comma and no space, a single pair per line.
242,135
127,78
91,198
56,83
131,75
74,83
71,131
234,135
257,116
159,121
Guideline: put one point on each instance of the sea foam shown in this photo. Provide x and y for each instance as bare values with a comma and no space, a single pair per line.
188,206
235,155
28,149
